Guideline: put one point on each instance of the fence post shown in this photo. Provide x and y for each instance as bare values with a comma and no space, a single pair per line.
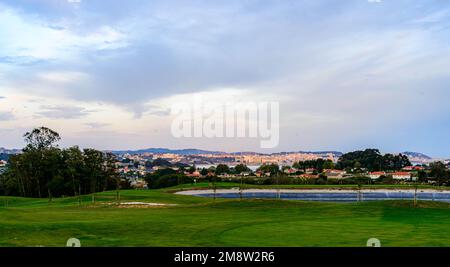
359,193
415,196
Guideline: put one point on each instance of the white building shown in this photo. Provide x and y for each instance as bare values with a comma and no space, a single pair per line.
376,175
335,174
401,175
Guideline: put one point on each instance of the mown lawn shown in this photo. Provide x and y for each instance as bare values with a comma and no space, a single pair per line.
196,221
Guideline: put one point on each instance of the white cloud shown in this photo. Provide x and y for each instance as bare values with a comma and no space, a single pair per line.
6,116
62,112
96,125
433,17
330,64
30,37
62,76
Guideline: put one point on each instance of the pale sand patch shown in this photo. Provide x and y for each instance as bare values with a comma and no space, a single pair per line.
143,205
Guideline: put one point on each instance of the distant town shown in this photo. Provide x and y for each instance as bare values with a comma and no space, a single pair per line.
196,156
135,166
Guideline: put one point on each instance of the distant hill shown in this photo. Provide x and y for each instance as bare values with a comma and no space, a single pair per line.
6,153
416,155
190,151
245,153
4,156
417,158
9,151
335,153
193,151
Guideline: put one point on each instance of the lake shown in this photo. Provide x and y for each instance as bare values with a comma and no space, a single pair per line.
323,195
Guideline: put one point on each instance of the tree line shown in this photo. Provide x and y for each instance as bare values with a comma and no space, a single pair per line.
372,160
166,178
438,173
318,164
44,170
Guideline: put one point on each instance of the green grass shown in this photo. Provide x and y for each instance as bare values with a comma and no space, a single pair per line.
196,221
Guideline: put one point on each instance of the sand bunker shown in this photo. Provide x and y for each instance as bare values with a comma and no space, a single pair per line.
143,205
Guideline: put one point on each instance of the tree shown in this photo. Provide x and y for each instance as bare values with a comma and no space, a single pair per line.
322,179
318,164
73,159
112,180
357,166
166,178
191,170
439,172
41,138
93,169
240,168
44,170
328,164
222,169
372,160
204,172
52,166
422,176
273,169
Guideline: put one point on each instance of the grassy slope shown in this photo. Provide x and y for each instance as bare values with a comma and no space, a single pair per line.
201,222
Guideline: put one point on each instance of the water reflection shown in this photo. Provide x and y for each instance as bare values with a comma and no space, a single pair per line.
333,197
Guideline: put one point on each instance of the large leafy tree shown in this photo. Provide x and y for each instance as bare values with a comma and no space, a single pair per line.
439,173
222,169
74,162
41,138
372,160
318,164
240,168
44,170
273,169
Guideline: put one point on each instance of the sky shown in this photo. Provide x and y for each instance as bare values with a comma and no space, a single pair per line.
347,74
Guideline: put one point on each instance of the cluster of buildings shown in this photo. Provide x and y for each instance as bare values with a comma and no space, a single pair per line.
407,173
134,167
230,159
284,159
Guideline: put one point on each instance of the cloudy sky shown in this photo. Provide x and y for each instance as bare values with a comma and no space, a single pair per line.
347,74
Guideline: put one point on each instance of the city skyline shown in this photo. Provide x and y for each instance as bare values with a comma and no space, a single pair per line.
415,156
104,75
